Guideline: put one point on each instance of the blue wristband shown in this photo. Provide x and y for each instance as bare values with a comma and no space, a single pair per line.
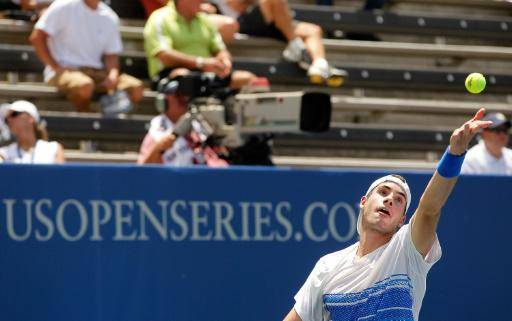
449,166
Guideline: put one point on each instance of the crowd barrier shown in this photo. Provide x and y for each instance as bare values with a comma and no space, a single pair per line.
128,243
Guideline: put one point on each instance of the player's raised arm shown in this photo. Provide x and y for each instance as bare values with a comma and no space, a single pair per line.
426,217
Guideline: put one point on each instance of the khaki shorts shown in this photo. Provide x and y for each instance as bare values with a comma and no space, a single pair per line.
72,79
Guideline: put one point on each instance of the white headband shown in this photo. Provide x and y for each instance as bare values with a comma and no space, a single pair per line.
388,178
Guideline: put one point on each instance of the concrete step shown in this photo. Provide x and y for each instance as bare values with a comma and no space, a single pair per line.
77,156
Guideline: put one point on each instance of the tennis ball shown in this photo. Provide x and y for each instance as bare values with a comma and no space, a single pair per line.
475,83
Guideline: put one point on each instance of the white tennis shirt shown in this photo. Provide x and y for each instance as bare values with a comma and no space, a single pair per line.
388,283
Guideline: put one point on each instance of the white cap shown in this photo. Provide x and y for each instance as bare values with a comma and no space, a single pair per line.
388,178
24,106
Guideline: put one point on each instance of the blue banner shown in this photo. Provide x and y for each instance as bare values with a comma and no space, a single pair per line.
129,243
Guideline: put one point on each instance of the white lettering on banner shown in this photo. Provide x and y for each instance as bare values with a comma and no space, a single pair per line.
332,222
160,226
262,220
98,221
45,220
245,221
175,220
283,221
122,220
61,227
224,221
9,203
199,218
179,220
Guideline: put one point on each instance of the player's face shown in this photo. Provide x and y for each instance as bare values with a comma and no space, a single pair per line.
384,208
177,106
19,122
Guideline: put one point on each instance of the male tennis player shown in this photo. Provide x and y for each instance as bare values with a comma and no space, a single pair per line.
383,276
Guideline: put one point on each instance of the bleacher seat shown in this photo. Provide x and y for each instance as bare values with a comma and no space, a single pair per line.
391,83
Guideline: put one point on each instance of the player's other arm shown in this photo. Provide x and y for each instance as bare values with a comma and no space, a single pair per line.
425,219
292,316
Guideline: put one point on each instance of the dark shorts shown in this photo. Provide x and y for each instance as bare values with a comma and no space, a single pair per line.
252,23
165,73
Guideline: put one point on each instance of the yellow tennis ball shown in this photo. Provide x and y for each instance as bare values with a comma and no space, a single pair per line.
475,83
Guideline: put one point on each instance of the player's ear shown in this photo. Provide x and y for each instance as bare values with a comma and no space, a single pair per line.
363,201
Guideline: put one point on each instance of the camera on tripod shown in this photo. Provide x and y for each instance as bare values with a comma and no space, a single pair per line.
220,116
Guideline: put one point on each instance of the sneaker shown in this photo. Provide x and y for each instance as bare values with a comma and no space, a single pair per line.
296,52
322,73
336,77
115,103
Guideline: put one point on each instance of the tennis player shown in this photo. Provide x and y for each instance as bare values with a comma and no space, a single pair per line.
383,276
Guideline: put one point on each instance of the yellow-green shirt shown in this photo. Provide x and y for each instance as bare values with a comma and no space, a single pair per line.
166,29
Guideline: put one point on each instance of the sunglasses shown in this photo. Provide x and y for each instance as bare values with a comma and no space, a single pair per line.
13,114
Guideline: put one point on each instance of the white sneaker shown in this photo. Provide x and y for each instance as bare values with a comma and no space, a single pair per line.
320,72
296,52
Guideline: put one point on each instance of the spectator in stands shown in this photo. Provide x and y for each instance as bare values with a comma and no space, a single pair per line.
169,140
226,26
491,155
79,41
25,9
271,18
31,144
179,36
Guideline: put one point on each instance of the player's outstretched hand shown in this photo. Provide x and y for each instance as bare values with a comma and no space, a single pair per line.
461,137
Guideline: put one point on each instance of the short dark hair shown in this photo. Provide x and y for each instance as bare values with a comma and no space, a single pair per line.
399,177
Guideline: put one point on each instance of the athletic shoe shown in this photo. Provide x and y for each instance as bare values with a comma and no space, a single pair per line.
296,52
319,74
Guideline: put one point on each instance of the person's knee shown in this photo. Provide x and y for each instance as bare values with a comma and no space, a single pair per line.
82,93
241,78
136,94
316,31
307,30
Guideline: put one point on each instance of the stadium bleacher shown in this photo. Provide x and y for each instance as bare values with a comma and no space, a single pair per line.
400,101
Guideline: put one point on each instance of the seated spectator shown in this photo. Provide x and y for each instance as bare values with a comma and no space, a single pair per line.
271,18
179,36
31,144
29,10
490,155
170,140
226,26
79,42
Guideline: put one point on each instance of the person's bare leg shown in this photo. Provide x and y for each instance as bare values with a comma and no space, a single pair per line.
312,36
226,26
277,11
241,78
81,96
135,94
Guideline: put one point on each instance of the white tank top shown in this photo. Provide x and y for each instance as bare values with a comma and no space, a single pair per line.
43,153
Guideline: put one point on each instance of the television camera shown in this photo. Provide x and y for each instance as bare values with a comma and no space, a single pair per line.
245,122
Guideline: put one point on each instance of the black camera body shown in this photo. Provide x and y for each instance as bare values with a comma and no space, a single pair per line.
197,84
